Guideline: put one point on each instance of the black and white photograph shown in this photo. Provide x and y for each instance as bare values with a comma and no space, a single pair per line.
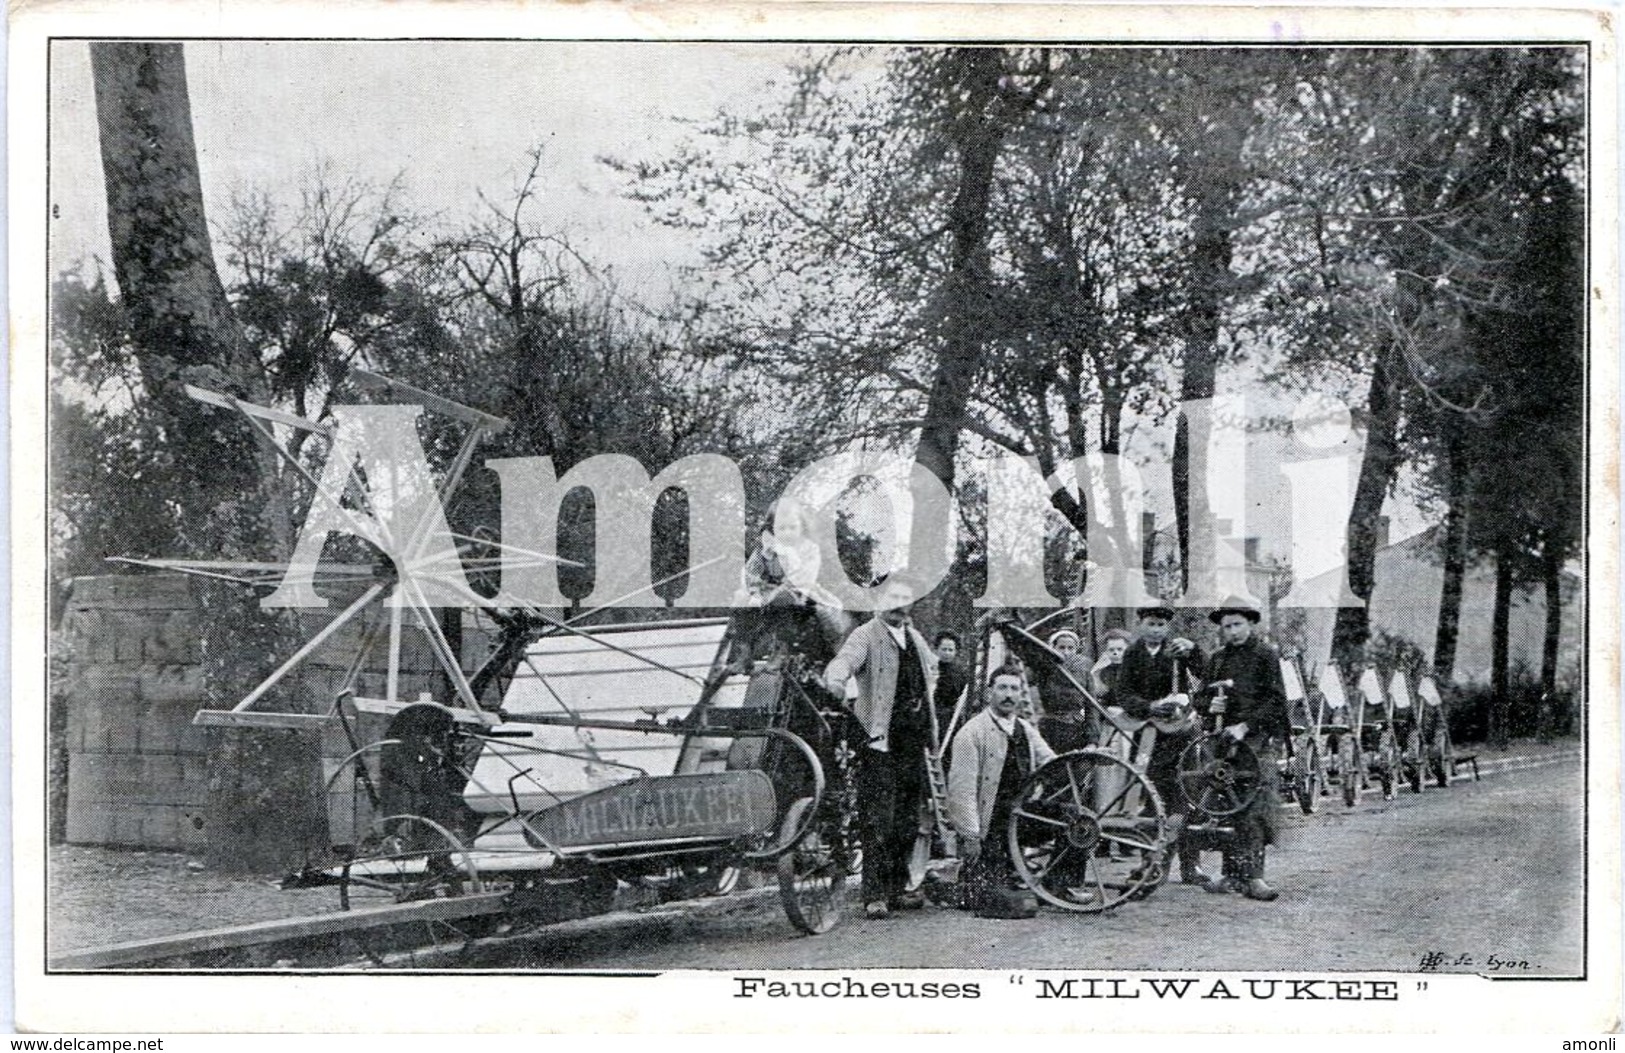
837,523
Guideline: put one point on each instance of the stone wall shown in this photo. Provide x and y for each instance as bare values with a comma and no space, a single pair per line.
130,769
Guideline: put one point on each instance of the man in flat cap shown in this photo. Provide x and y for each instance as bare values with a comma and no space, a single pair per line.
1255,713
1152,688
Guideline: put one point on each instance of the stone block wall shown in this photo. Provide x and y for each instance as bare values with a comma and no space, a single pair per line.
134,770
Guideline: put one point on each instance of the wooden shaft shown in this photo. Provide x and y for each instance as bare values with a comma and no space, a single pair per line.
310,645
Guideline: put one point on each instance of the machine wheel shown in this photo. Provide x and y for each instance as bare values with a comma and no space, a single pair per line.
811,879
379,858
1442,755
1415,761
1348,763
1387,764
1155,877
1087,832
409,858
1219,776
1307,785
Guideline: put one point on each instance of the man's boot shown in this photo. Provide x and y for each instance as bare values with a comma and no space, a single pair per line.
1190,856
1257,887
1228,880
1190,867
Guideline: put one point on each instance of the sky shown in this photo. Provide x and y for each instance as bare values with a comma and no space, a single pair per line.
455,118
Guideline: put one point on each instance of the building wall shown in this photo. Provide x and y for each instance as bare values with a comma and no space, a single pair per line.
1405,603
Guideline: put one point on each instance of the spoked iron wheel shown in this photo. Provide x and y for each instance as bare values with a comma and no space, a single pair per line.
811,876
1310,773
1348,763
1442,756
1415,761
383,858
410,858
1088,831
1220,776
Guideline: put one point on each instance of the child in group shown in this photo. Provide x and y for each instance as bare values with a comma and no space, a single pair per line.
780,577
1066,719
785,566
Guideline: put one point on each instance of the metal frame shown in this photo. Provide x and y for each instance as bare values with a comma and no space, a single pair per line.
385,583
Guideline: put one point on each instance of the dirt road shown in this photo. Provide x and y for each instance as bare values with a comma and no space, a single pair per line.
1476,875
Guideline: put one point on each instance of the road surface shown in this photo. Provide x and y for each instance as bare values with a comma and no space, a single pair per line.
1459,880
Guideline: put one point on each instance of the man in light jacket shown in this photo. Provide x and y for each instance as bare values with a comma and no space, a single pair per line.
896,676
992,756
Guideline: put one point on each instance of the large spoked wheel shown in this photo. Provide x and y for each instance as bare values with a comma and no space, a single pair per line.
1442,755
1387,764
1087,832
811,876
408,858
1415,760
1220,776
384,852
1348,765
1307,784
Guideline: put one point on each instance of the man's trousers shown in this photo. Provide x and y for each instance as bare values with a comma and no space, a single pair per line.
1258,824
1163,770
890,787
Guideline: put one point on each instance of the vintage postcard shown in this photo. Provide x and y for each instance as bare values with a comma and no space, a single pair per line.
814,516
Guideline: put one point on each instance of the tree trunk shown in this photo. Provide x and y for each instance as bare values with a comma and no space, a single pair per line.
1455,566
180,320
1377,468
976,134
1500,655
976,131
1552,572
1211,252
184,332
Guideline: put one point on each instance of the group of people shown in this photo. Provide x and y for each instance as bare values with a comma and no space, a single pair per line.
1144,683
906,689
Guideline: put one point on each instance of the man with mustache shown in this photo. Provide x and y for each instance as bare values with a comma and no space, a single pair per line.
896,676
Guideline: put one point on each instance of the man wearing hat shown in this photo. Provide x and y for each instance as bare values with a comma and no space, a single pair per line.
1152,685
1255,713
896,675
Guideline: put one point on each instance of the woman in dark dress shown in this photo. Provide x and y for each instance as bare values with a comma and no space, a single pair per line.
1066,720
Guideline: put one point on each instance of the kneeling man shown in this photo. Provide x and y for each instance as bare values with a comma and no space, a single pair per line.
992,756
